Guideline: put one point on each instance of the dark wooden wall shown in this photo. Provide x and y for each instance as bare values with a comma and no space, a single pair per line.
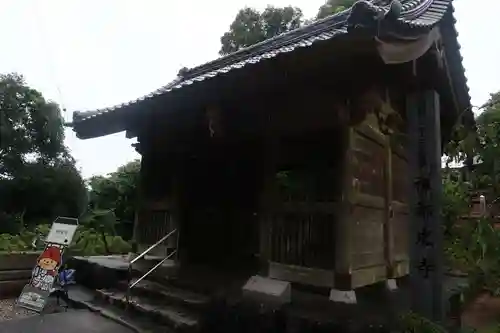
223,186
219,203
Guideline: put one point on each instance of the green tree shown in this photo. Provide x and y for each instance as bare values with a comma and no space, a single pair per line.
117,192
491,112
474,247
251,27
38,177
487,148
30,127
333,7
42,192
101,221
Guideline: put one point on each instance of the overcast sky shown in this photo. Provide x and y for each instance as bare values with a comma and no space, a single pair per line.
101,53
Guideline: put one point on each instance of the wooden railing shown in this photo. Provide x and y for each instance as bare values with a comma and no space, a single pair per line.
153,225
303,235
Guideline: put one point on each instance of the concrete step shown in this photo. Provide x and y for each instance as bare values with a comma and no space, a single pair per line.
12,288
168,294
99,271
177,318
142,266
83,298
10,275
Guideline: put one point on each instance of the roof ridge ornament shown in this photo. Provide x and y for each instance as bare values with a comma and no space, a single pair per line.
183,72
367,15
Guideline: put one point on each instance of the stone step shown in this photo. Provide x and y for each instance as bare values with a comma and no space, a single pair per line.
98,272
168,294
12,288
9,275
135,322
168,268
203,282
175,317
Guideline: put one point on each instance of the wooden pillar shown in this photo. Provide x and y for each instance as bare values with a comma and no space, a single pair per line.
426,235
142,186
134,232
266,200
343,227
389,211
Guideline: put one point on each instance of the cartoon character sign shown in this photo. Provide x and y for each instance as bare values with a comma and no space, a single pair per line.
45,271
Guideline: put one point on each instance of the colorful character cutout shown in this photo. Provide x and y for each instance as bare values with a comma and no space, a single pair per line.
46,269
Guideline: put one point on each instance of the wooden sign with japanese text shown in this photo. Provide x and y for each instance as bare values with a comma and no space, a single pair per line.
426,235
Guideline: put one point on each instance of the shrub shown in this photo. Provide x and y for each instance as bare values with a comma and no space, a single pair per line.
87,241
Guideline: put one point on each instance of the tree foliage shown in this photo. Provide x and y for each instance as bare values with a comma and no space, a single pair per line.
30,127
333,7
43,192
491,112
487,148
474,246
250,26
39,180
117,192
38,177
87,241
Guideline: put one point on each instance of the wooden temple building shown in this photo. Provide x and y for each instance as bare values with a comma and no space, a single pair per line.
295,155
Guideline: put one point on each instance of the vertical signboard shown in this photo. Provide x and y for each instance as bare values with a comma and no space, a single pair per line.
36,293
426,238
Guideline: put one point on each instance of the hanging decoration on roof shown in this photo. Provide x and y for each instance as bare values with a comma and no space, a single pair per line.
368,15
214,121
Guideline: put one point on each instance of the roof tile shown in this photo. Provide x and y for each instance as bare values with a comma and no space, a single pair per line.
415,15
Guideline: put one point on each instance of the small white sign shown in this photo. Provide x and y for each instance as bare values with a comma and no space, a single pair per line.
61,233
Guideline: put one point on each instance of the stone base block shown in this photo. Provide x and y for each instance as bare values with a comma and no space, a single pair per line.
266,290
391,285
343,296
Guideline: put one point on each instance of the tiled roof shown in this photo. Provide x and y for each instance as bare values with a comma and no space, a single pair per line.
402,19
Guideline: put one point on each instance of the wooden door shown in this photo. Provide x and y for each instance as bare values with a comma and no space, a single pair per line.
378,214
367,216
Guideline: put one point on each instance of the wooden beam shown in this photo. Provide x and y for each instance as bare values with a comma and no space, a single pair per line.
304,275
426,235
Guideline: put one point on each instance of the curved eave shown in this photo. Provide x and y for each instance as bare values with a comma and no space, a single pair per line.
103,124
416,17
456,69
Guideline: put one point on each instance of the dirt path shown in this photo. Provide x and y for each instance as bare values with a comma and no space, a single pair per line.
8,312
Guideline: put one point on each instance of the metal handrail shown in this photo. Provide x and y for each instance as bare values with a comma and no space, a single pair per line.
152,269
132,285
164,238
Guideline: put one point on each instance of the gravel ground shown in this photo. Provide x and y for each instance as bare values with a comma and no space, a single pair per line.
8,312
